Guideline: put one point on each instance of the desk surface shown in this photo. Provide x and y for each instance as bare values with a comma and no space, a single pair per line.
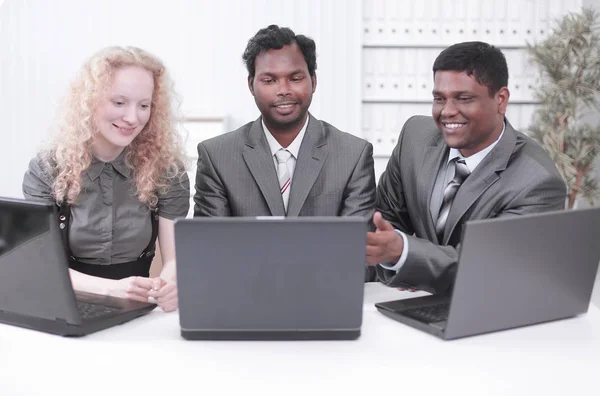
147,356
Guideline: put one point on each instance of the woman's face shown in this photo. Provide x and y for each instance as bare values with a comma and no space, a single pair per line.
123,111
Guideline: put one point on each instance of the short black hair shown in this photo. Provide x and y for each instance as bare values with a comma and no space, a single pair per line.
275,37
482,60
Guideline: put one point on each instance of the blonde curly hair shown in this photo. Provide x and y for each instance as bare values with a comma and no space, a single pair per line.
155,155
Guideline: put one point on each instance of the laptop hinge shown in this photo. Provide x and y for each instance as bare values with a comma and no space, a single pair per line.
441,326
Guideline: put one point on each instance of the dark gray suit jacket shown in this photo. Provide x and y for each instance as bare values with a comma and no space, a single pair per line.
517,177
334,175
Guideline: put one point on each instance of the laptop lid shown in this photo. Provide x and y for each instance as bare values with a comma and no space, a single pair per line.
34,280
523,270
270,274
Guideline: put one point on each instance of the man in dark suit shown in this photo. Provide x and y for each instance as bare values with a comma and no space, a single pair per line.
465,163
286,162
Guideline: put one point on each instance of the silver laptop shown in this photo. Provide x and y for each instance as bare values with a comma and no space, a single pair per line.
512,272
270,278
35,287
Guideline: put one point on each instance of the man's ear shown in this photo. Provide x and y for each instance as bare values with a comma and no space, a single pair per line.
251,84
502,97
314,82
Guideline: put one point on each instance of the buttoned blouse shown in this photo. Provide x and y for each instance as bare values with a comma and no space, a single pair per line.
109,225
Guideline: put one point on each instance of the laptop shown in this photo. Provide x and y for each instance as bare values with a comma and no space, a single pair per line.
512,272
270,278
35,287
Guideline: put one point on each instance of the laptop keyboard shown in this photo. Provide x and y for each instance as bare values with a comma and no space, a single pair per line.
429,314
89,311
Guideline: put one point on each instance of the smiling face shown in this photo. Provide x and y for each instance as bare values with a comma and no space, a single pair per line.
465,113
123,111
282,88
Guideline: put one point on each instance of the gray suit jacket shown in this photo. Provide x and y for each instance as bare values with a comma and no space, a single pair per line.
334,175
517,177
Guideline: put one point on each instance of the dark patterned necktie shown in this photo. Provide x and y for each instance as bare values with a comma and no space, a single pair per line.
460,174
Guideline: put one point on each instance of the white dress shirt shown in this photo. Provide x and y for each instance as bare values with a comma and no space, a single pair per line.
293,148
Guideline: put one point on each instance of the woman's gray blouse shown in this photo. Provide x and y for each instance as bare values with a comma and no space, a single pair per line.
109,225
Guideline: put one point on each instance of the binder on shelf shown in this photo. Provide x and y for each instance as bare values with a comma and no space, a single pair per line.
515,68
530,77
368,22
369,73
395,62
425,59
394,12
381,73
409,81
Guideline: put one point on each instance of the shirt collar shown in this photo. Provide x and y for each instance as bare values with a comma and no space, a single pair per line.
293,148
119,164
474,160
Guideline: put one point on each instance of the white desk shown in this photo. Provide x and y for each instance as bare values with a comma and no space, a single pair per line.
148,357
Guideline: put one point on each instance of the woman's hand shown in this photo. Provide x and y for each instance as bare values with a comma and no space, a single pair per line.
134,288
165,294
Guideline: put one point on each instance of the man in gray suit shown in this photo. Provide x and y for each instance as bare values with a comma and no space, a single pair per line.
286,162
465,163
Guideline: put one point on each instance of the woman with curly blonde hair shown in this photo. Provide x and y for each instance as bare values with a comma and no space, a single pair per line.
116,169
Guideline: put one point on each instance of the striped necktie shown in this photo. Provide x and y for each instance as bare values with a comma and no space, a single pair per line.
461,171
283,175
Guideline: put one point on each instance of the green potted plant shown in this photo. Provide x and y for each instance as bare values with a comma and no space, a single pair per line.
569,64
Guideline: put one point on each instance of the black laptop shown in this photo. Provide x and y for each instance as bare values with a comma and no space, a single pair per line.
35,287
512,272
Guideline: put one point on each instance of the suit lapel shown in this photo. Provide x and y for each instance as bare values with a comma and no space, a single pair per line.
257,155
481,179
311,158
434,156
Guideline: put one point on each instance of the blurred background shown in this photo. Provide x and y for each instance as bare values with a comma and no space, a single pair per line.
374,59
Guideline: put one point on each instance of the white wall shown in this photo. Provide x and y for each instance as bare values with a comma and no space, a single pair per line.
43,43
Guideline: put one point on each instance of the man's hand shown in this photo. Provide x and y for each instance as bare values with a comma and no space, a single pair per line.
134,288
384,245
165,294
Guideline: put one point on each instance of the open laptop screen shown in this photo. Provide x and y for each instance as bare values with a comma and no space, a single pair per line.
21,223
